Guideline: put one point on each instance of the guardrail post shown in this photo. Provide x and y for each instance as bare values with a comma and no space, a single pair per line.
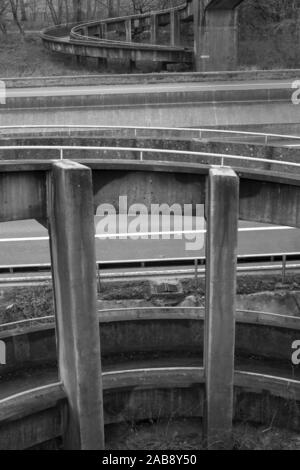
283,269
174,28
153,28
222,202
72,243
128,30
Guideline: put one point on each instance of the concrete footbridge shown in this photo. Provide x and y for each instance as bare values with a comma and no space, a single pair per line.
156,36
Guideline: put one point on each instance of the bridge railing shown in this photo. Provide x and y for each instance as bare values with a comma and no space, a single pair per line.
81,32
169,132
141,155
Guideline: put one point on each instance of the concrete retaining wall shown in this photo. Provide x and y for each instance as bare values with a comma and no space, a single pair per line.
128,334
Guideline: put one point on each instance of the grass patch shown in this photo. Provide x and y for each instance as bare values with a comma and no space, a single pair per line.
23,303
186,434
28,58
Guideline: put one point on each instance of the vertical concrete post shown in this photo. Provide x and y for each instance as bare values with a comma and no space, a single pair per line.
216,36
103,27
174,28
128,30
72,244
219,40
222,207
153,28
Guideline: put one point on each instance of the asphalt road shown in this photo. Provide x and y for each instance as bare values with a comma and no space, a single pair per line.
26,243
149,88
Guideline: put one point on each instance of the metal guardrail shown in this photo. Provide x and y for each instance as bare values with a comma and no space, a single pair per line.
198,270
143,151
197,133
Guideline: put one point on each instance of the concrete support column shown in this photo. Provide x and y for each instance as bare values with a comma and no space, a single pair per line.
103,27
222,206
72,244
216,36
174,28
153,28
128,30
220,40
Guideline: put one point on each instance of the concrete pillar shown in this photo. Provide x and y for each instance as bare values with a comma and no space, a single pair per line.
174,28
222,204
220,40
103,27
128,30
216,35
72,244
153,29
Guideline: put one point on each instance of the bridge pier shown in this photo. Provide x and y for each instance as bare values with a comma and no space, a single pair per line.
72,243
103,28
216,35
222,212
153,29
128,30
174,28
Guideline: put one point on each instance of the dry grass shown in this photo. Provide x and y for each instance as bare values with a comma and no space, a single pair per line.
28,58
186,435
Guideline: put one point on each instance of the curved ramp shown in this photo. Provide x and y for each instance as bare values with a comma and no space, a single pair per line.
122,38
213,45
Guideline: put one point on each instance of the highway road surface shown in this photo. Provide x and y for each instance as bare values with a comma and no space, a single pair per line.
26,243
150,88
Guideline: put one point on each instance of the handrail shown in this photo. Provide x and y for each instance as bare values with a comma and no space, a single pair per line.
142,151
79,39
75,35
266,136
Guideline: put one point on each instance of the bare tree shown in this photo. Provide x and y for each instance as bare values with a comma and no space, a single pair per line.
3,8
14,10
23,10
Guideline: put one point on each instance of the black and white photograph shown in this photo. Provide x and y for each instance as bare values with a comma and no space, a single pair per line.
149,228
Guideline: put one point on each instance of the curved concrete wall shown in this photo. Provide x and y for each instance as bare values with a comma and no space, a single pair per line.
35,417
144,334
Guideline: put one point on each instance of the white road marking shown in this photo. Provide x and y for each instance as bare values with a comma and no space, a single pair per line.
143,234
